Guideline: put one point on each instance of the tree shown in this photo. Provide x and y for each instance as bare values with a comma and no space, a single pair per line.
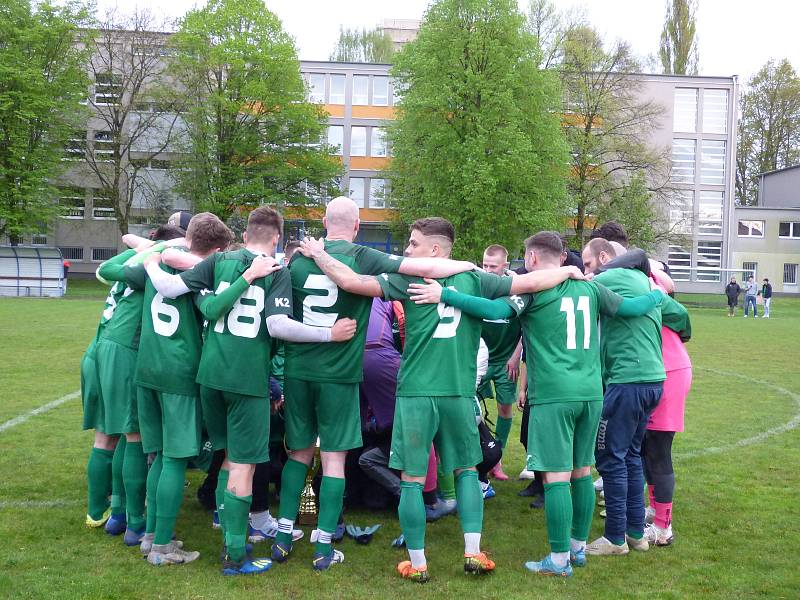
550,28
135,118
769,127
678,48
477,139
42,84
372,46
607,125
252,137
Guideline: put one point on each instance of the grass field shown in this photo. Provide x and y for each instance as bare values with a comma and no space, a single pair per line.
736,505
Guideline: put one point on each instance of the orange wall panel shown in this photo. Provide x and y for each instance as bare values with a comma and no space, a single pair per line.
373,112
334,110
368,162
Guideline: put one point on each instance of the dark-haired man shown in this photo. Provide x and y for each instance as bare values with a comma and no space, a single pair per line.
435,386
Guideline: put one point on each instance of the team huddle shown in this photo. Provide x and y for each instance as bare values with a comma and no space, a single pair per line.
187,343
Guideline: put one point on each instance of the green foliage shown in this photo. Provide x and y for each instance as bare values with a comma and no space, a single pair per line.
477,139
42,82
769,127
631,206
607,125
359,46
678,48
252,136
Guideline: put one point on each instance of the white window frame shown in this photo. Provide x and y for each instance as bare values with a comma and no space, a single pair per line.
378,146
102,213
335,95
684,170
684,109
360,97
107,251
748,223
706,223
680,263
790,274
336,140
380,82
316,96
76,212
708,252
794,230
712,163
107,89
358,135
377,200
713,98
103,148
357,196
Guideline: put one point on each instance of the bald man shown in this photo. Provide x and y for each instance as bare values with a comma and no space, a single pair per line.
322,380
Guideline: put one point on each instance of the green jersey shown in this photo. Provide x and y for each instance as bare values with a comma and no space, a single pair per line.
562,342
319,302
236,355
125,327
501,337
171,342
630,348
439,357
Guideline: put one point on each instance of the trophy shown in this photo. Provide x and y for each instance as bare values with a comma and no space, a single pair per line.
307,515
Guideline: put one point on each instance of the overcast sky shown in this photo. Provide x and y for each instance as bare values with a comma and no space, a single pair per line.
736,36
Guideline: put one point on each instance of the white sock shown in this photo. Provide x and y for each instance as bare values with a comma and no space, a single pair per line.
472,543
324,537
417,558
261,519
285,526
576,545
559,558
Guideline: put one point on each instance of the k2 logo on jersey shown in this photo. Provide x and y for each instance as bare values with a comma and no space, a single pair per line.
282,302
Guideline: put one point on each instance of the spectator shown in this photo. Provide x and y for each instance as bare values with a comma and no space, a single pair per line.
766,295
732,291
750,294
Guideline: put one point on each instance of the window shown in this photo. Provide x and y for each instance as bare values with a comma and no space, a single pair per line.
103,145
337,89
751,229
710,213
680,263
72,202
102,205
712,162
39,238
789,274
749,268
107,89
715,111
356,192
683,161
377,145
789,230
360,89
681,213
101,254
709,259
316,88
358,141
685,110
336,138
72,253
75,147
380,91
377,193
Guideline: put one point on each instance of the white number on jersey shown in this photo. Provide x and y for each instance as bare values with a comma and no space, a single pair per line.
112,303
447,330
244,319
159,309
312,317
568,307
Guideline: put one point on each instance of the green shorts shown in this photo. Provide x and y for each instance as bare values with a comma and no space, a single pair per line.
561,435
447,422
237,423
116,368
169,422
93,415
330,411
505,390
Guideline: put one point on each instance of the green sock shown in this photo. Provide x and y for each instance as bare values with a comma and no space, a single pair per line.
237,513
503,429
98,481
470,502
446,484
170,497
582,507
637,535
331,492
219,496
558,514
293,480
134,474
152,489
117,484
411,512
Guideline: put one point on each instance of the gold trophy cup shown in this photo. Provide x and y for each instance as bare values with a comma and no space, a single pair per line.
309,507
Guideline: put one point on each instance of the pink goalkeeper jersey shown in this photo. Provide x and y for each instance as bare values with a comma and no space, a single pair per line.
668,415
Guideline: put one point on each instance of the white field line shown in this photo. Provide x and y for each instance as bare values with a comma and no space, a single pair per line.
37,411
792,423
38,503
